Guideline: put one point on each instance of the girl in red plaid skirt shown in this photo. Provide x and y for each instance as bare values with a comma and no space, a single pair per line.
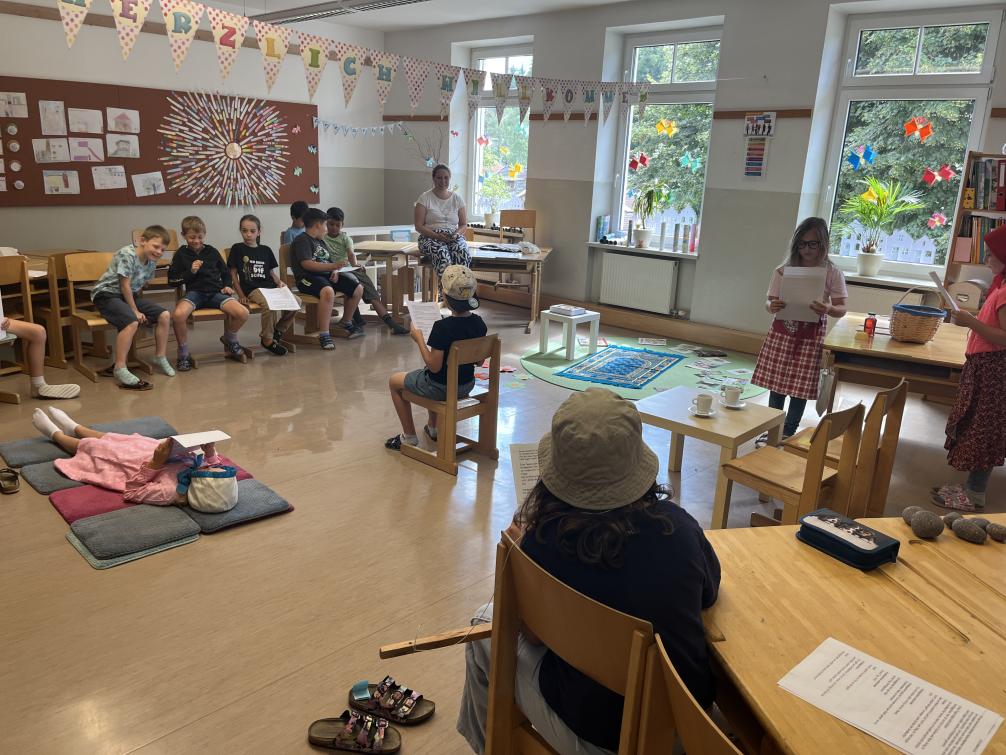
976,428
789,363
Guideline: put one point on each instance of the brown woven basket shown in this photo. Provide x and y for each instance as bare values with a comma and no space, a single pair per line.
915,323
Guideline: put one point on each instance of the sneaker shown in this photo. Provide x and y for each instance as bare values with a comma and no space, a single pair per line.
275,348
231,347
325,340
352,331
183,364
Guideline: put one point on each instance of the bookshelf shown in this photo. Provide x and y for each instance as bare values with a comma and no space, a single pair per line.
979,186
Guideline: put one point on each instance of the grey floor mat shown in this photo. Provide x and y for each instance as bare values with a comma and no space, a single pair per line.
46,479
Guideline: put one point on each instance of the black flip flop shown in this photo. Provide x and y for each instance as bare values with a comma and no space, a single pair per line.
10,481
143,385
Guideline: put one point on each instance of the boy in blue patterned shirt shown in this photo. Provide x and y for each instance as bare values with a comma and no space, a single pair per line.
116,296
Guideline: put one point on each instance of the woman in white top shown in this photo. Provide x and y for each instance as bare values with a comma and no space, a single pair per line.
441,220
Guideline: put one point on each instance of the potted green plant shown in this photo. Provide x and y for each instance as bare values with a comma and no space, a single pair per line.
650,199
494,192
877,210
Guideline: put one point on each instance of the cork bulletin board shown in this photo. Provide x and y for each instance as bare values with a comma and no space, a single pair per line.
69,143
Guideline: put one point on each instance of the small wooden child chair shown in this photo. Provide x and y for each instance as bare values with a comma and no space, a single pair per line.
483,404
310,315
16,306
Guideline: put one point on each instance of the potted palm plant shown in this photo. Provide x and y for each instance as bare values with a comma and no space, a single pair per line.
494,192
876,210
650,199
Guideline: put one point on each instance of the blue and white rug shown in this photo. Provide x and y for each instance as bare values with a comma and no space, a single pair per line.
622,366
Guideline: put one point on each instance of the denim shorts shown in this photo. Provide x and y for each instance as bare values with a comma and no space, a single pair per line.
420,383
204,300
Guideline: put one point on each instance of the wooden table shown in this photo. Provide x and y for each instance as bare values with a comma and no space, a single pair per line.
932,368
387,251
728,429
939,613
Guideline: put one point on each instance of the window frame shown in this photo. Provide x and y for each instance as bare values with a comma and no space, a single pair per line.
700,92
487,100
939,86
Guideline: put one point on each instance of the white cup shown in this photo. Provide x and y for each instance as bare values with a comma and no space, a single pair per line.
703,403
731,394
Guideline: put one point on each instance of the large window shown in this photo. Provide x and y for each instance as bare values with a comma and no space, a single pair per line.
927,74
499,148
667,147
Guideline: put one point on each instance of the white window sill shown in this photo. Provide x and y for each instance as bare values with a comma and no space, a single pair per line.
644,251
902,275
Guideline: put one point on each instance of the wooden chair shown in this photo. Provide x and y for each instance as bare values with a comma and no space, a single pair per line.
16,296
171,246
877,450
804,485
483,404
310,314
525,220
82,270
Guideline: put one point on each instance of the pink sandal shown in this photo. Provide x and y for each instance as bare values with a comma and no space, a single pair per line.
953,497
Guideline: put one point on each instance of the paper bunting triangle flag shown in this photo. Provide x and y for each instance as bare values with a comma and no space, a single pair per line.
350,59
273,41
72,15
937,218
181,22
610,91
631,93
474,81
228,36
385,70
569,93
946,172
589,93
549,96
314,51
929,177
129,16
501,91
416,72
525,91
447,84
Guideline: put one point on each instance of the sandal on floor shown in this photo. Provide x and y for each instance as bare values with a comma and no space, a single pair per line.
355,732
10,481
953,497
107,371
392,701
143,385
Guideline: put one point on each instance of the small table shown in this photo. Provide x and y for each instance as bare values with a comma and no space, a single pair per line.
728,429
569,323
387,251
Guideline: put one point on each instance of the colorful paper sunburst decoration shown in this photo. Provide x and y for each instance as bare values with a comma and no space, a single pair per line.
223,150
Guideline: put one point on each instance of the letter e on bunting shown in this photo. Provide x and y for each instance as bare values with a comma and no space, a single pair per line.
474,81
273,41
72,13
351,59
228,35
314,52
385,70
501,90
447,82
129,16
610,91
416,71
181,22
525,91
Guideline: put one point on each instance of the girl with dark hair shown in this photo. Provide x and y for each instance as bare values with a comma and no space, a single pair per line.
441,220
598,521
789,363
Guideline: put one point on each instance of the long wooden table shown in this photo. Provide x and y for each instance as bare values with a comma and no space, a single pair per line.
939,613
933,368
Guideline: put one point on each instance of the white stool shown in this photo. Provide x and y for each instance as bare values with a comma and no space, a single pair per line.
569,324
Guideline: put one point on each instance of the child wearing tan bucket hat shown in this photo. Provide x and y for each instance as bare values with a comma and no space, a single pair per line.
598,521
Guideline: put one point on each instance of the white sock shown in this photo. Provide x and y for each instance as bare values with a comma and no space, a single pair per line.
37,381
412,440
43,424
63,421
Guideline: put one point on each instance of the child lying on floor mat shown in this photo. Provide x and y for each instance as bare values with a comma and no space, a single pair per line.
144,470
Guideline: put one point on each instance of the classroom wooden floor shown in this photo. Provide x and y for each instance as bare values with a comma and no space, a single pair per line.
235,643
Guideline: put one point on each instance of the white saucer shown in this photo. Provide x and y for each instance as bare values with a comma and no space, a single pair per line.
710,413
739,405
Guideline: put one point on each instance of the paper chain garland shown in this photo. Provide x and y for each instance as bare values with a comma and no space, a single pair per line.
346,129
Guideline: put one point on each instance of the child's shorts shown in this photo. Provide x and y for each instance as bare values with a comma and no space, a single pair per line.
420,383
114,309
204,300
312,285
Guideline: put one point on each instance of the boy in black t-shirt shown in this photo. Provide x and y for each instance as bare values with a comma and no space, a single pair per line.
459,286
253,267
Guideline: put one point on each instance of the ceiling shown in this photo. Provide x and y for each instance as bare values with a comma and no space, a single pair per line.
434,12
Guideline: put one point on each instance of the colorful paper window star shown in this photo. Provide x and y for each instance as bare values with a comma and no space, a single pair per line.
504,150
868,153
633,163
482,141
929,177
666,126
688,161
870,196
925,132
946,172
644,160
854,159
937,218
515,170
911,126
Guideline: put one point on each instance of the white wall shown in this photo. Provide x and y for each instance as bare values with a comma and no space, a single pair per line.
352,172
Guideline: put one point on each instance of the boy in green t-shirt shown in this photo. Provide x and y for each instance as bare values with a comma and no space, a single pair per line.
340,245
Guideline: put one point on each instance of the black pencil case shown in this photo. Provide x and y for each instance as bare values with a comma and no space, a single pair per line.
847,540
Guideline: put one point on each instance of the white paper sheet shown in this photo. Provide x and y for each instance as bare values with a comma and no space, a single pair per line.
653,341
61,182
13,105
280,299
524,463
52,113
51,150
108,177
801,286
947,296
423,315
86,149
906,712
194,440
148,184
83,121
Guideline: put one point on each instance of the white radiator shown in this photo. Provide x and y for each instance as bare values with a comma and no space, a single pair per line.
638,282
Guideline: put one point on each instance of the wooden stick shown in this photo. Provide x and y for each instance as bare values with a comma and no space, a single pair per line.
434,641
